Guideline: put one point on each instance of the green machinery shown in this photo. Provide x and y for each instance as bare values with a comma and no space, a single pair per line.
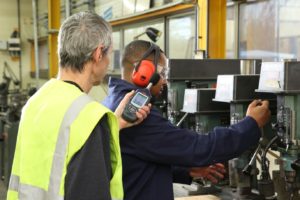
191,88
282,79
197,74
239,91
204,113
12,99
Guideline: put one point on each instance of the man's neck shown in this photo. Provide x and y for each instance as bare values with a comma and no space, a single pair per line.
126,77
81,79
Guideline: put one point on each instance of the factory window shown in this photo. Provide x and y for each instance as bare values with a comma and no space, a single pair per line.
178,40
230,32
177,37
181,36
268,30
132,32
122,35
114,66
175,20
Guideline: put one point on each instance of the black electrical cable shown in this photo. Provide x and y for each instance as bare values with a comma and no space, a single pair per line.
264,165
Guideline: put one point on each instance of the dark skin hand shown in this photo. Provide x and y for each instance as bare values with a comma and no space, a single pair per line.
212,173
259,111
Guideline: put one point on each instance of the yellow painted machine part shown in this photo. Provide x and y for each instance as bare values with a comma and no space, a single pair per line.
202,24
217,28
154,14
212,27
53,27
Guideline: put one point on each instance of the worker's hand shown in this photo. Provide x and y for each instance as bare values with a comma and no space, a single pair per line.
259,111
212,172
141,114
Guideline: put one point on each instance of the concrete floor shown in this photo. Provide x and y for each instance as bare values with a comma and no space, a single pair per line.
2,191
180,190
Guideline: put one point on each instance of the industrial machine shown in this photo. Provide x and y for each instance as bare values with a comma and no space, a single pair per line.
191,88
202,115
282,79
12,99
239,91
190,84
190,73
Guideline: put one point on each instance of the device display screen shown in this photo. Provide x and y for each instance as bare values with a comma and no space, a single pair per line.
139,99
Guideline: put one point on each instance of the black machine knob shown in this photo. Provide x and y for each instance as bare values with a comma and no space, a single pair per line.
296,165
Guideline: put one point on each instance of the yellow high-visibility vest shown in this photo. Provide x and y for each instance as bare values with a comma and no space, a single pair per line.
55,124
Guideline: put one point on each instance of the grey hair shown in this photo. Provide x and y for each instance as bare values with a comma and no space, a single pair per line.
78,38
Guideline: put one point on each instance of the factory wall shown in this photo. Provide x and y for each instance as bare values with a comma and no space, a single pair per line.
9,22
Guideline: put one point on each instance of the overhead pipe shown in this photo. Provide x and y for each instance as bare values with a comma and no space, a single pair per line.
19,27
68,8
36,46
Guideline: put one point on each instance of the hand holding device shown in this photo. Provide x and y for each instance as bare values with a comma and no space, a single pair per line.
140,98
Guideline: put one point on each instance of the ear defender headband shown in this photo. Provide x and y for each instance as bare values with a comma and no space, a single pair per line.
145,69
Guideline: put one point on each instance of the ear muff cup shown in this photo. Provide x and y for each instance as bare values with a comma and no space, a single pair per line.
143,73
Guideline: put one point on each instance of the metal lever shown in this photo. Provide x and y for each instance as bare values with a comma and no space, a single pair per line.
181,120
248,168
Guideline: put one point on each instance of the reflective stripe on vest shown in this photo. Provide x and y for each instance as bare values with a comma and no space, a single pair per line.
29,192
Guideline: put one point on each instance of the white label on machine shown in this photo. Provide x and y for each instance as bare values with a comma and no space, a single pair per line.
224,91
271,76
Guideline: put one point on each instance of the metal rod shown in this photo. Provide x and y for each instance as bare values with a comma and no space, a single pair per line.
236,29
181,120
139,35
20,59
269,145
207,29
91,5
196,30
271,153
36,46
254,155
78,4
68,10
11,74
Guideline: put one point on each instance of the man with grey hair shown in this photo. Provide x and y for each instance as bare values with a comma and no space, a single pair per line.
68,144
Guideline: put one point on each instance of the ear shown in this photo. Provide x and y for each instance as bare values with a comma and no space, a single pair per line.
97,55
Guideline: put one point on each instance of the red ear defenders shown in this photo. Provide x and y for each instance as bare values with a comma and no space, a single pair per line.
145,69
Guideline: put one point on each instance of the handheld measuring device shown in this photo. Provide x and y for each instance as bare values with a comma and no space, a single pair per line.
140,98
